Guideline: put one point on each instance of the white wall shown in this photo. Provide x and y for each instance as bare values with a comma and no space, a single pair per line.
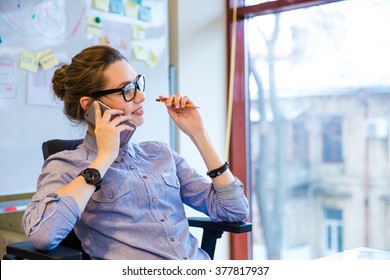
198,51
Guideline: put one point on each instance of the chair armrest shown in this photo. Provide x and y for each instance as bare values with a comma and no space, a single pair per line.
214,230
26,250
207,223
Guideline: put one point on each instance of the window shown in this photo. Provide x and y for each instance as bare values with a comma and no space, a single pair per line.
311,83
332,139
297,150
333,231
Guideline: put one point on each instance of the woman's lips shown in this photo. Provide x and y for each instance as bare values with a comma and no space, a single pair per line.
138,112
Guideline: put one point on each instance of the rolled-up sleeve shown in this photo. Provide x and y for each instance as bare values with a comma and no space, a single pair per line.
49,217
231,204
220,203
46,229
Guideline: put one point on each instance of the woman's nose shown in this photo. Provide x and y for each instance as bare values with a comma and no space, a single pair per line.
139,97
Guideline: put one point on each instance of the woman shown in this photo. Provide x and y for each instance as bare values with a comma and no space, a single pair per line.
126,202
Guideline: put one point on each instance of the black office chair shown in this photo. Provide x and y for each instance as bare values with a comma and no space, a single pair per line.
70,247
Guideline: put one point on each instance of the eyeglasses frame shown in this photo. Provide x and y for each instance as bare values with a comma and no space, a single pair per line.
101,93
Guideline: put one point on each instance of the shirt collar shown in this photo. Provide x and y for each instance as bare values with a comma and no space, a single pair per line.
90,144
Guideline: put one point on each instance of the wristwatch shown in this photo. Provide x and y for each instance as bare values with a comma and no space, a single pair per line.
92,176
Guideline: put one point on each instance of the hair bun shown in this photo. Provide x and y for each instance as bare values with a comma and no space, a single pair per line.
58,81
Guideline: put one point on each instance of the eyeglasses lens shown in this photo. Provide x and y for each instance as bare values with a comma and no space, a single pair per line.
129,91
141,83
131,88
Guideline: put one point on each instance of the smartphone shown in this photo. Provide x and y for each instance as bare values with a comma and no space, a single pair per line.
125,135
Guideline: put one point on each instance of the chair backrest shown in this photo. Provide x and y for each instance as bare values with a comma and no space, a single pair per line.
49,148
57,145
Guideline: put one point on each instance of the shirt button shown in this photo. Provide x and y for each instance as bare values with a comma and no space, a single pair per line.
185,258
172,239
132,167
154,199
111,196
144,176
162,220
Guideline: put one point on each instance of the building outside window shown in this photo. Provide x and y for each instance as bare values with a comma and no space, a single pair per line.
318,94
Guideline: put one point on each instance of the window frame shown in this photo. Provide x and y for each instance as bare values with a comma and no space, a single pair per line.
241,245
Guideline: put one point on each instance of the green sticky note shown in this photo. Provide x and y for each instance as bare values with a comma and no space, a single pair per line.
152,59
138,32
139,53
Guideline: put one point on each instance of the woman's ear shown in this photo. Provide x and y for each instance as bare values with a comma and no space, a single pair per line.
85,102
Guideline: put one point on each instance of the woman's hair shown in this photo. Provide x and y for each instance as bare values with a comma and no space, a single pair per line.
83,76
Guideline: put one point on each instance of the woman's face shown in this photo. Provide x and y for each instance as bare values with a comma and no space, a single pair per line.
117,74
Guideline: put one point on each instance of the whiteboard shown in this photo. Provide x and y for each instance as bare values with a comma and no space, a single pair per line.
29,114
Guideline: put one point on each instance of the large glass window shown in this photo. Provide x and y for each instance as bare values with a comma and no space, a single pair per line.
319,114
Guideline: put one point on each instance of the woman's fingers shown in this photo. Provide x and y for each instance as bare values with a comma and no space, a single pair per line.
177,101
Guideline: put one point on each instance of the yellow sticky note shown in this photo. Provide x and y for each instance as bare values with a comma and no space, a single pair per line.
94,26
139,53
29,61
131,9
48,59
138,32
102,5
152,59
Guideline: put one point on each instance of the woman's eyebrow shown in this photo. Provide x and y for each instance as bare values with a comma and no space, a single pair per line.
123,83
126,82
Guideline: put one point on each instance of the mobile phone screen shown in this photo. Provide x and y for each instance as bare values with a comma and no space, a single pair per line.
125,135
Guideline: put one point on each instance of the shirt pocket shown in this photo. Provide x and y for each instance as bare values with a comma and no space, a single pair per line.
111,205
170,190
114,192
171,180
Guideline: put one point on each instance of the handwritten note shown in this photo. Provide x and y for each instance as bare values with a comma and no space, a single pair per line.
94,26
7,78
7,90
145,13
152,59
139,53
138,32
116,6
102,5
28,61
6,66
142,54
48,59
131,9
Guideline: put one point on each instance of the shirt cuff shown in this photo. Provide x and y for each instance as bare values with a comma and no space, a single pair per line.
65,205
232,191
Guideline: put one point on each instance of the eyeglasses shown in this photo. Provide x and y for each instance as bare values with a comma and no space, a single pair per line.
128,90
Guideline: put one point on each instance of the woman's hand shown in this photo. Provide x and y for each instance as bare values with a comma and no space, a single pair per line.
184,113
107,131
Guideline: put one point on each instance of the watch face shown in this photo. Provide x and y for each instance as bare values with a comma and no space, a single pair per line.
93,175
